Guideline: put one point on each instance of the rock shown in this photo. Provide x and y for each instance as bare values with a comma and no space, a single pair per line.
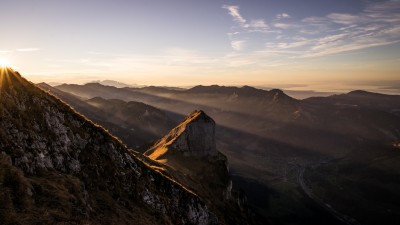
195,136
188,153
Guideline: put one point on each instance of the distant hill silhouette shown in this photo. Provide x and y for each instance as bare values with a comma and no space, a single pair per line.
113,83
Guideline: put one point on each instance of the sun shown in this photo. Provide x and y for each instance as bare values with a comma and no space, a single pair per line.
4,62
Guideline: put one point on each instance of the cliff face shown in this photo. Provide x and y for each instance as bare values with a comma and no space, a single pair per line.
195,136
57,164
188,154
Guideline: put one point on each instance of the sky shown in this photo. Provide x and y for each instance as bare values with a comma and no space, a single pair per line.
324,45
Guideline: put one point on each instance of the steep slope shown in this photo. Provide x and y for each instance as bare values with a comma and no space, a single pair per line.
188,153
57,164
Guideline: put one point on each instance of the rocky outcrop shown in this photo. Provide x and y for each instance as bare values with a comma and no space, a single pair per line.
69,170
188,153
195,136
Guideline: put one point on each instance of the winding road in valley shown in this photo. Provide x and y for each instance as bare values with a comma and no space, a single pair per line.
339,216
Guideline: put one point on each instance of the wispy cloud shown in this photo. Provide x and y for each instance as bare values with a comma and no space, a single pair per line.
290,45
238,45
256,25
283,16
244,27
377,25
234,12
346,19
28,49
285,26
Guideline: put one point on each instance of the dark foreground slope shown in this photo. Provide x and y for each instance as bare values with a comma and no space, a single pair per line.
58,167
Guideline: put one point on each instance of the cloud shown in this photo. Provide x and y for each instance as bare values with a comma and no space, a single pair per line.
376,25
335,49
296,44
285,40
335,33
28,49
283,16
346,19
238,45
234,12
257,25
285,26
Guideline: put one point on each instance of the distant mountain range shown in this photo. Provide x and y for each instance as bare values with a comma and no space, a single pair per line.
113,83
299,94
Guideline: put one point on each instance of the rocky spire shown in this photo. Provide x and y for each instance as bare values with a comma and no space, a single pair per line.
188,154
195,136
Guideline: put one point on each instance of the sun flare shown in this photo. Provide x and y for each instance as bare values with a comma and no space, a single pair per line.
4,62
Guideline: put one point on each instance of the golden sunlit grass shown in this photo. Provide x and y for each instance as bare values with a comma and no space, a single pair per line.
3,76
7,75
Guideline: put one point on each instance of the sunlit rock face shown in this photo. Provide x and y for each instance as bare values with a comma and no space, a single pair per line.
57,164
196,137
193,137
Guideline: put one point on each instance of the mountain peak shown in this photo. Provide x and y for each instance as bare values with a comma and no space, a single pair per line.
360,93
195,136
198,115
277,91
